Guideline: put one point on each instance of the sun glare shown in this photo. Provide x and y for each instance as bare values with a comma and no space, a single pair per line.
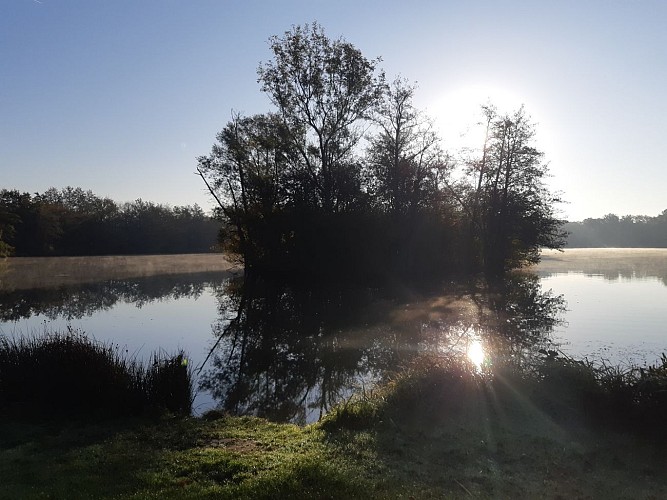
476,354
457,112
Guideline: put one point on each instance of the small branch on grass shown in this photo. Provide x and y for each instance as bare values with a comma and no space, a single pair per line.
464,488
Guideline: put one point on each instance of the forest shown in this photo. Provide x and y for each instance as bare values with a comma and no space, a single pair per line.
71,221
345,178
628,231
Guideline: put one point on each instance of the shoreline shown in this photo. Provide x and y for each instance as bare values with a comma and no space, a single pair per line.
439,432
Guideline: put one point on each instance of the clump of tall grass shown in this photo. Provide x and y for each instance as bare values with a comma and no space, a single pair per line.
69,374
628,396
566,389
639,395
425,382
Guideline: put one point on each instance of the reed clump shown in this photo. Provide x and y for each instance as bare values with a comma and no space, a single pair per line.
68,374
566,390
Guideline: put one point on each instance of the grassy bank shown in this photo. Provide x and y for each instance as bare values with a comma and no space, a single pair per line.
556,429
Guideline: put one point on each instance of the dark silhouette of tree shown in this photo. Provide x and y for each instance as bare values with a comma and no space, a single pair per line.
322,89
510,210
7,231
37,229
404,158
85,220
406,168
254,171
288,184
72,221
297,199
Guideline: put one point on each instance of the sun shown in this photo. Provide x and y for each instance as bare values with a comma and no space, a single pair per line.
476,354
457,112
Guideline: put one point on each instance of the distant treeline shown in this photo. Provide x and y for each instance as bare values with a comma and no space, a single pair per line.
72,221
629,231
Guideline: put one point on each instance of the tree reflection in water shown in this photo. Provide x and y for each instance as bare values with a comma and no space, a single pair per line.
289,354
77,301
515,319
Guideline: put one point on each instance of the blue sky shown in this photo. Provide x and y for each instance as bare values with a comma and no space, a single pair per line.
121,96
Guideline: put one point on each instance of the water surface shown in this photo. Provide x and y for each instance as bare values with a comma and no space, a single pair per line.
290,354
616,302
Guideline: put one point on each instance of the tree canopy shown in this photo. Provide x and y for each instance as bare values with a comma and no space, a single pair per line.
346,179
72,221
322,89
510,212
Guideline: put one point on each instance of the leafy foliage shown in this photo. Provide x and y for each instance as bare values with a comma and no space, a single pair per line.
510,211
72,221
298,198
322,89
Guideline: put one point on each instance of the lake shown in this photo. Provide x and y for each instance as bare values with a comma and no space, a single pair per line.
290,354
616,302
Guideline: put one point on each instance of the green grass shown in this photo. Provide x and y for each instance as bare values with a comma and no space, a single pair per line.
440,430
177,458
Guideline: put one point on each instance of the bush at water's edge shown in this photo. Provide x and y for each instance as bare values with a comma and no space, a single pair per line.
68,374
555,388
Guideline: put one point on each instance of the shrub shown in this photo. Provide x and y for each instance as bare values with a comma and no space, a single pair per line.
69,374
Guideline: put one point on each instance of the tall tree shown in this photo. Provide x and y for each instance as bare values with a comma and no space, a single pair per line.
512,212
404,158
252,173
405,166
323,89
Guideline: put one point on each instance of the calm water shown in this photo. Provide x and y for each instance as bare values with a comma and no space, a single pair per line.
290,354
616,303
